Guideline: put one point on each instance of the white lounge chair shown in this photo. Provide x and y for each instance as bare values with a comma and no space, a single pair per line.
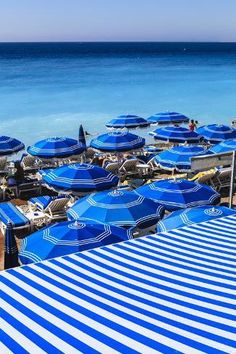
30,163
3,165
222,178
129,167
29,186
112,167
53,208
14,214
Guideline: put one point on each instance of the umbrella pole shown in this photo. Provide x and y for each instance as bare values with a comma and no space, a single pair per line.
233,172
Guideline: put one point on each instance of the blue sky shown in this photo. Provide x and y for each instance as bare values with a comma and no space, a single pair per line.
117,20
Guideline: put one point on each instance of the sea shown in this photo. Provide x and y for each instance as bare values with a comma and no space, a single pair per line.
48,89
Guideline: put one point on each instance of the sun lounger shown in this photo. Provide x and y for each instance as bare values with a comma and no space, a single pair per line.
54,208
12,213
112,167
129,167
3,165
222,178
30,163
29,186
204,177
154,165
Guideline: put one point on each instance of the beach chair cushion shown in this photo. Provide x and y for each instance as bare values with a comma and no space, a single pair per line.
9,212
42,202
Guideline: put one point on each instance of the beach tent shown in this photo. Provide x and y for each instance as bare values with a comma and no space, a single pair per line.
127,121
10,146
176,135
179,194
68,237
120,208
192,216
56,147
167,118
179,157
168,293
117,142
215,133
224,146
80,178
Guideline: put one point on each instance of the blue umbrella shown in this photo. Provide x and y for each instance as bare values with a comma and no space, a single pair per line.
167,117
82,139
80,178
69,237
127,121
179,157
224,146
117,141
10,146
179,194
215,133
10,251
191,216
56,147
121,208
176,135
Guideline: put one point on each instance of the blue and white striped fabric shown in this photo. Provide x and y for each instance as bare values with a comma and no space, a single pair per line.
127,121
80,178
117,141
176,135
179,157
120,208
224,146
215,133
68,237
167,118
191,216
10,213
171,293
10,146
179,194
56,147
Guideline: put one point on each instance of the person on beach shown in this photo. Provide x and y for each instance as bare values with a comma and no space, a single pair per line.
192,125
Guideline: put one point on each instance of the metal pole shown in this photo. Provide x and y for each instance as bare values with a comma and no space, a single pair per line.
231,191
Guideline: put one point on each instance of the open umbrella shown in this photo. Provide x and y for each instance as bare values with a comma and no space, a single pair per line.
191,216
80,179
179,194
69,237
215,133
10,146
57,147
167,118
10,251
117,141
121,208
176,135
127,121
179,157
224,146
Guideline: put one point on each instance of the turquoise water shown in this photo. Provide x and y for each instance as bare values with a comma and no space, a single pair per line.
49,89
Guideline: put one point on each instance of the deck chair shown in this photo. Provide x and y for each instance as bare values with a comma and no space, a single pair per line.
54,208
30,163
222,178
29,186
154,165
129,167
205,177
12,213
3,165
113,167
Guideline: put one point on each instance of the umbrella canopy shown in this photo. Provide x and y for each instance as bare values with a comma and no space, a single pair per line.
191,216
215,133
179,157
10,251
127,121
117,141
224,146
121,208
10,146
56,147
80,178
66,237
82,139
179,194
167,118
176,135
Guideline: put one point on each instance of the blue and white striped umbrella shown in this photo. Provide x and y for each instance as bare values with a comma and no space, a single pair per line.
80,178
56,147
192,216
117,141
215,133
179,157
10,146
167,118
121,208
176,135
127,121
68,237
224,146
179,194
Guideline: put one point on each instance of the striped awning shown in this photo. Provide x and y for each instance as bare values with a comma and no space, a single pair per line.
167,293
